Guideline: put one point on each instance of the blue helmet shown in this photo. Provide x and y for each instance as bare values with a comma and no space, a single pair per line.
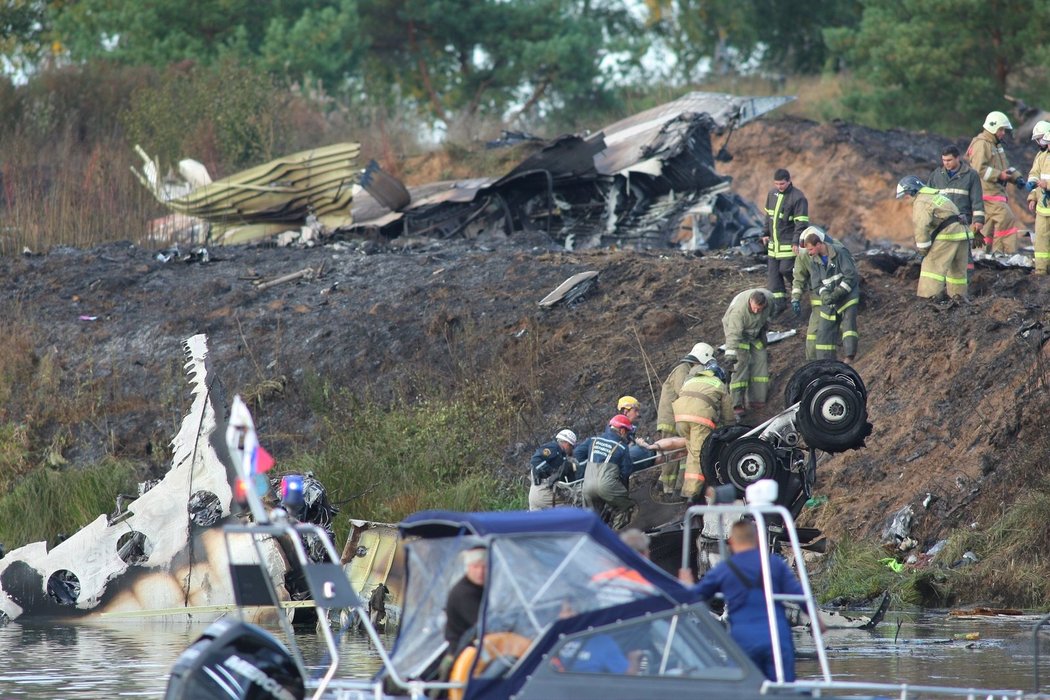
909,184
712,366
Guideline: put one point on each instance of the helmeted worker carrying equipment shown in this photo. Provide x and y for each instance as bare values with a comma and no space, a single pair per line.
1039,197
942,240
700,354
608,466
702,406
551,463
988,158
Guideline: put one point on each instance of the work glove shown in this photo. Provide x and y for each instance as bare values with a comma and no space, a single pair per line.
796,307
729,363
828,297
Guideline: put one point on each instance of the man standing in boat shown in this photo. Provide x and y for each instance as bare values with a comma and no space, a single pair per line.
739,580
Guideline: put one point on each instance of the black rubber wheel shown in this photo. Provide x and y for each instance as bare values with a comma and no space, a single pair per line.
833,415
715,448
746,461
817,369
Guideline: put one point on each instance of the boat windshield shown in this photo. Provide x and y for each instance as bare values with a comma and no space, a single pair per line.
532,579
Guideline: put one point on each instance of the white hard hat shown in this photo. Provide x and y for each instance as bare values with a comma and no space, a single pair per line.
1040,129
566,436
995,121
811,229
762,492
702,353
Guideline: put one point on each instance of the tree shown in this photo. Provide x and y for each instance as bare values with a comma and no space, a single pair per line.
462,60
295,39
740,35
942,65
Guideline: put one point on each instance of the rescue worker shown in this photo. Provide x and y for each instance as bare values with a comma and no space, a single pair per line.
643,454
833,273
941,238
701,354
702,406
960,183
745,323
988,158
787,213
551,462
739,580
800,282
608,464
1039,197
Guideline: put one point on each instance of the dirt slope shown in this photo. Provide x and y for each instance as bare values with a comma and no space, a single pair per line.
957,395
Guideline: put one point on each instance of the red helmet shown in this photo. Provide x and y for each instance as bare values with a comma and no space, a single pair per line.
621,421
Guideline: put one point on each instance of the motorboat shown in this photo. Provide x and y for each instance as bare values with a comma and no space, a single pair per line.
563,597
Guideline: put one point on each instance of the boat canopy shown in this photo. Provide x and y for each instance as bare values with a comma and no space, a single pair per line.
541,566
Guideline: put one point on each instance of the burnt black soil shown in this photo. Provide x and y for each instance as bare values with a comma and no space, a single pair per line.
958,392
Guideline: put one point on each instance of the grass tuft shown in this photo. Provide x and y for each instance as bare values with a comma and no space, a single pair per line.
48,502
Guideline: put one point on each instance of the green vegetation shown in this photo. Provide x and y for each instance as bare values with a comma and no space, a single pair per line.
48,502
1010,567
384,461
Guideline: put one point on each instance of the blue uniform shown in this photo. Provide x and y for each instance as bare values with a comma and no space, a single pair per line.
748,623
596,449
546,460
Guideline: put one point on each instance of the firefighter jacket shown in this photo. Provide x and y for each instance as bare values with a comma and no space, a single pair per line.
1040,171
607,447
547,461
963,187
834,277
787,213
704,399
669,392
743,327
929,212
988,159
800,280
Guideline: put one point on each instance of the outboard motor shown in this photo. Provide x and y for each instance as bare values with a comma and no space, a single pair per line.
235,660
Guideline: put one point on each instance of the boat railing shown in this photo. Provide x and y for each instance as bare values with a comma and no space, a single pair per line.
817,688
761,513
331,590
1035,650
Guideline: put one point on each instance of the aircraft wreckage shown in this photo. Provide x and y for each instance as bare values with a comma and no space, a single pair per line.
164,555
645,181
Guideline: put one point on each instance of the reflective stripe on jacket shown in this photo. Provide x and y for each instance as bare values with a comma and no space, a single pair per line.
988,159
928,211
963,188
1040,171
787,213
704,399
672,385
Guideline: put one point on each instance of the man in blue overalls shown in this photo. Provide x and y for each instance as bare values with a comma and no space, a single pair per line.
739,580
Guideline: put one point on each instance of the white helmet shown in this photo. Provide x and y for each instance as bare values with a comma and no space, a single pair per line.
566,436
811,229
702,353
995,121
1039,131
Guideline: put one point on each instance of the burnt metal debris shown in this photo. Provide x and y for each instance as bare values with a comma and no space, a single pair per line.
648,181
